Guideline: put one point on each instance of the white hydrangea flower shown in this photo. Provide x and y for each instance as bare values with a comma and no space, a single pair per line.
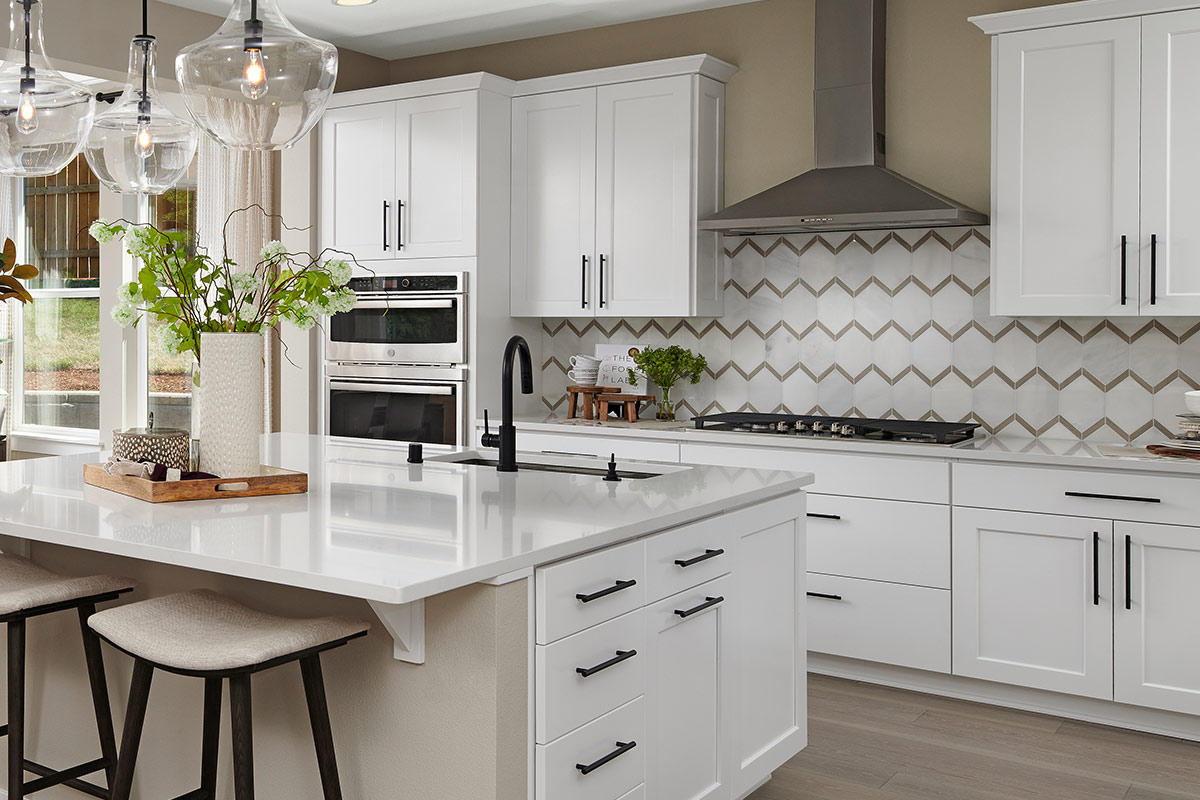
344,300
103,231
137,242
130,293
273,250
244,282
323,305
169,339
303,318
339,271
124,314
246,312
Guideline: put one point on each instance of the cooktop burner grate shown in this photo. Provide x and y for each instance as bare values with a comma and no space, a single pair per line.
893,430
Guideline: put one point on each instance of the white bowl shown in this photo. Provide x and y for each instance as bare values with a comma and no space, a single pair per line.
1193,401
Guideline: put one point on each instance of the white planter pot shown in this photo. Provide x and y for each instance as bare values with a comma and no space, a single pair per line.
228,414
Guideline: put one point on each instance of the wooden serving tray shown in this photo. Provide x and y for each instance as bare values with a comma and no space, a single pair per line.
1172,452
272,481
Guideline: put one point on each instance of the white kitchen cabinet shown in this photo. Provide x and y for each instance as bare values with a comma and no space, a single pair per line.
1157,652
612,169
1065,211
358,180
1033,601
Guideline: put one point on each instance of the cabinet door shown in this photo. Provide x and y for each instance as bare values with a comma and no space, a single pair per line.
687,694
1170,163
644,211
554,204
1157,650
358,173
1066,171
769,647
1032,600
436,175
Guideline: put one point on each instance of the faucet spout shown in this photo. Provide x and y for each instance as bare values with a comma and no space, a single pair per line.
516,350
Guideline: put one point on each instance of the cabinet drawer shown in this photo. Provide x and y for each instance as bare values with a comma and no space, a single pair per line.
637,794
613,579
1103,494
882,540
597,446
565,698
688,556
922,480
558,778
885,622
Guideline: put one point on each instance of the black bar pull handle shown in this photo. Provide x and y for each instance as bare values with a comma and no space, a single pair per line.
583,303
1128,572
1122,497
622,749
399,224
603,262
1095,568
1153,268
681,562
1124,270
709,602
616,587
386,208
824,596
824,516
622,655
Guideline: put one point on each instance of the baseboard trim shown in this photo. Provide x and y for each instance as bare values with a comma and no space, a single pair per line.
1085,709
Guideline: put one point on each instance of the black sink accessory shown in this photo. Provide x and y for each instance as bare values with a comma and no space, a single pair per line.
612,469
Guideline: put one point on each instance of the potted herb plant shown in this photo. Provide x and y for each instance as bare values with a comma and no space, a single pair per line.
666,366
218,310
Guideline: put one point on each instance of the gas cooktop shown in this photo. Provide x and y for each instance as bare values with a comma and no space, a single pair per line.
888,430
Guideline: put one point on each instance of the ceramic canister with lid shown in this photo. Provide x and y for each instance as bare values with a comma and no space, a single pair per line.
170,447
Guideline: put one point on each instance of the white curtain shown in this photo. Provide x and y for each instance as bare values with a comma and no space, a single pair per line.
226,181
10,222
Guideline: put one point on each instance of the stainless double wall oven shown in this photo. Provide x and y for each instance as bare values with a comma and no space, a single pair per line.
395,365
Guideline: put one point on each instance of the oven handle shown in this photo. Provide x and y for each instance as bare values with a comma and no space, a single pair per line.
405,304
391,388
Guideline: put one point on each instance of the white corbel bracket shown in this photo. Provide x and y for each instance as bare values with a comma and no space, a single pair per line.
406,624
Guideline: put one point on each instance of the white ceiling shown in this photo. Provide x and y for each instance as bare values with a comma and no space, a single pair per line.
394,29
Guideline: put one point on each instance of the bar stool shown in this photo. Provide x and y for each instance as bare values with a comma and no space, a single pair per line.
206,635
27,590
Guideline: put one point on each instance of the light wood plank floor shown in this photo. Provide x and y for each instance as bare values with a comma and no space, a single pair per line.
875,743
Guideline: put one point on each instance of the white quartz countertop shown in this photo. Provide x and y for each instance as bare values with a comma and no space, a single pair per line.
371,525
1011,449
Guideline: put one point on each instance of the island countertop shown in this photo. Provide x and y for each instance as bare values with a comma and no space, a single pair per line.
371,525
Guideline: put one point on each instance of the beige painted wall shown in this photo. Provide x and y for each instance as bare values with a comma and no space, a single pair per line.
938,83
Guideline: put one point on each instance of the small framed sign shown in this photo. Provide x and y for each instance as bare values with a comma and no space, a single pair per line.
616,363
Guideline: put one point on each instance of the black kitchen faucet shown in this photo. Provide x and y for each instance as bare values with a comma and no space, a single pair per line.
506,439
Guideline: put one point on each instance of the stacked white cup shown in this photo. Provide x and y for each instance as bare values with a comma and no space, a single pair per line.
585,370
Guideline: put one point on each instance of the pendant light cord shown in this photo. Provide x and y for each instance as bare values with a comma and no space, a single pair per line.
27,84
144,103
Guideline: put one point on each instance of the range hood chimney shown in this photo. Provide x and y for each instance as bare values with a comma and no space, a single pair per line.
851,187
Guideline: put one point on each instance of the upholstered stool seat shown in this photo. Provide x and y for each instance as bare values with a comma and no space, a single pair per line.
203,631
27,591
208,635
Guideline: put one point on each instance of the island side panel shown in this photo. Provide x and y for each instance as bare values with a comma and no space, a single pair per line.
455,727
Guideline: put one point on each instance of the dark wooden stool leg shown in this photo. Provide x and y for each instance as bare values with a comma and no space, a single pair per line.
131,736
243,736
16,709
95,667
318,715
212,737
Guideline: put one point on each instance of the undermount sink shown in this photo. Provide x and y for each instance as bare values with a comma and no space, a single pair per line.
568,466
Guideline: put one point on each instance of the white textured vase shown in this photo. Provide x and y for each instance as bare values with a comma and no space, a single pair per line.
228,414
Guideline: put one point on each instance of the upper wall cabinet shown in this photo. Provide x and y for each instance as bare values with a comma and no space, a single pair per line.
611,171
1093,112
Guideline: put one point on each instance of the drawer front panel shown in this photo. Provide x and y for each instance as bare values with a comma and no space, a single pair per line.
565,698
615,578
881,540
558,778
885,622
687,557
597,446
879,476
1102,494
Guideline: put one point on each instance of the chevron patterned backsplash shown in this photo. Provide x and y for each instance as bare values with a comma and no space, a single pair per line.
897,324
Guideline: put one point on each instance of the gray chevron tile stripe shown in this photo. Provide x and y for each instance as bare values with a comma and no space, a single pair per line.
897,324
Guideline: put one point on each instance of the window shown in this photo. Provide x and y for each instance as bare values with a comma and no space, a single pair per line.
58,335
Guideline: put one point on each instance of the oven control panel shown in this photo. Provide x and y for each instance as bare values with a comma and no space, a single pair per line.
407,283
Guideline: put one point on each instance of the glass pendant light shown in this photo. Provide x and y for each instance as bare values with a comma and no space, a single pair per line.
139,146
257,83
44,116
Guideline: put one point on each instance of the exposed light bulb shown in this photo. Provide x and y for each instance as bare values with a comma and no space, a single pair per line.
144,143
27,114
254,77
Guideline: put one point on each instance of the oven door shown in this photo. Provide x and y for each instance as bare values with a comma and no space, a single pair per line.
427,330
396,411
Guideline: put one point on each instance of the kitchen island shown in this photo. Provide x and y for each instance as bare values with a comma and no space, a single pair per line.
482,586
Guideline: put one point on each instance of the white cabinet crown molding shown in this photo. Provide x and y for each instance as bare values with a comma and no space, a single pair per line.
1072,13
704,65
474,81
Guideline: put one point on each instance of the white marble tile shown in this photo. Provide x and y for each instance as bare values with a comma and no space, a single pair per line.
835,394
1128,406
1059,355
873,395
953,308
873,308
1037,403
932,353
1155,355
1106,356
835,309
911,397
974,354
892,352
1015,355
852,352
912,308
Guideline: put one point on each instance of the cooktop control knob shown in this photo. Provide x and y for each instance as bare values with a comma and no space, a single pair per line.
817,427
848,430
782,427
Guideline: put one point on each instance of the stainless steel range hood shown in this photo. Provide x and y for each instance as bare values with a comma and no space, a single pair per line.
851,188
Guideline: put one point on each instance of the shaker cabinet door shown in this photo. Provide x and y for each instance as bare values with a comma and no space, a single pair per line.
1066,231
357,181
